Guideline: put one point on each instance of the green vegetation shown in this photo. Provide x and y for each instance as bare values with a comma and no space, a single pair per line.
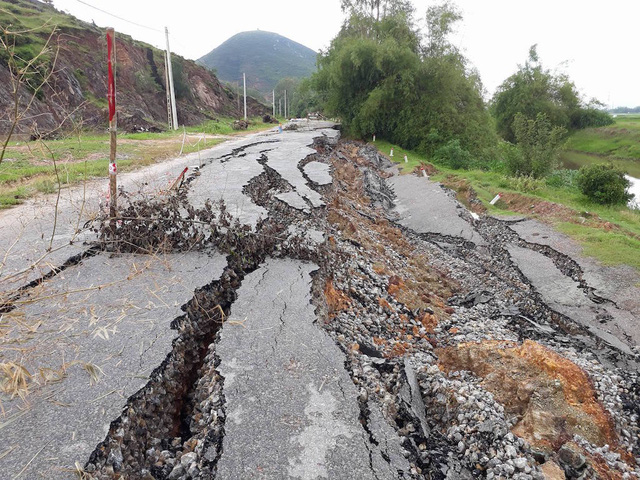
604,184
381,78
533,90
538,143
611,248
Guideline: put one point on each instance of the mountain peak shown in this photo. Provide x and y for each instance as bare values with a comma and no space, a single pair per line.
265,57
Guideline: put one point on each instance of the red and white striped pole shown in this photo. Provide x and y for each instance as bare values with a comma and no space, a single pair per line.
111,99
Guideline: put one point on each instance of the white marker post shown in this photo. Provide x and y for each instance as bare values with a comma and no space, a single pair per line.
391,154
244,83
495,199
406,160
374,137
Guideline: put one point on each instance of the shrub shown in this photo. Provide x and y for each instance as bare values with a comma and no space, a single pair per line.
453,155
525,184
563,178
604,184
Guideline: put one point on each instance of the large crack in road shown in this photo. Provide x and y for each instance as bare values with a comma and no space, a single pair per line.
343,330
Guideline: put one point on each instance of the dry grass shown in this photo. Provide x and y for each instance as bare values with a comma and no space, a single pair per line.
14,379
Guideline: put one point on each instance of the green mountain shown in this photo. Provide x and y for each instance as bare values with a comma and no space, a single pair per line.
265,57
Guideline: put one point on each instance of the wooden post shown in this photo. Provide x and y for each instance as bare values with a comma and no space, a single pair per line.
113,123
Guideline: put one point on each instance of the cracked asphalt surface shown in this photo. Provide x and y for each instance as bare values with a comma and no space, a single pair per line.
269,392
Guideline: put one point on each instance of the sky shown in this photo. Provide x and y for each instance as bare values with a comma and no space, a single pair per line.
595,43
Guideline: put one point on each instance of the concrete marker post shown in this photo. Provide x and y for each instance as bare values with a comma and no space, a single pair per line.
495,199
391,153
244,84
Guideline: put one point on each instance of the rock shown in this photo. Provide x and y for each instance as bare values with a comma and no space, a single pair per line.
552,471
412,399
177,472
520,463
571,458
188,458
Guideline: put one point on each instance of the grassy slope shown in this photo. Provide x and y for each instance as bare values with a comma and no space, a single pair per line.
611,234
28,168
619,143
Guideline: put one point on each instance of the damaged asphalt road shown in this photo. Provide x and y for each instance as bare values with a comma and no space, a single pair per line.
297,312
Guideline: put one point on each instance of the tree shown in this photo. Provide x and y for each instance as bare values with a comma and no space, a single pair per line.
533,90
440,24
379,76
538,143
371,8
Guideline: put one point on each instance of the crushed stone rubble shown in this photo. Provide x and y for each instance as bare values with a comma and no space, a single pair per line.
449,346
470,431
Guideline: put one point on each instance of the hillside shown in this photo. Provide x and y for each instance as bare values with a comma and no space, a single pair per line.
265,57
77,89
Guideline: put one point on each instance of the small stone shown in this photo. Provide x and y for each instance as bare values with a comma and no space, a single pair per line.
188,458
177,472
520,463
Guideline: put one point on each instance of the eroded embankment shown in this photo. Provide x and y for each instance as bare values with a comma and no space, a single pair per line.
512,389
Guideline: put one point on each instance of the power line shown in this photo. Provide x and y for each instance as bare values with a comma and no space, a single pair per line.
119,18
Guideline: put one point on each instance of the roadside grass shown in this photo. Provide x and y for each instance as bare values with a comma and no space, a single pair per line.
611,248
28,168
608,233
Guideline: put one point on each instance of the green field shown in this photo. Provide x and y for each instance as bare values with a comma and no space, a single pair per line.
618,143
28,167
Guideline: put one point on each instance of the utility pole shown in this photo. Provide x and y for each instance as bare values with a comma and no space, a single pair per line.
285,104
113,123
273,93
174,114
166,82
244,84
280,106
